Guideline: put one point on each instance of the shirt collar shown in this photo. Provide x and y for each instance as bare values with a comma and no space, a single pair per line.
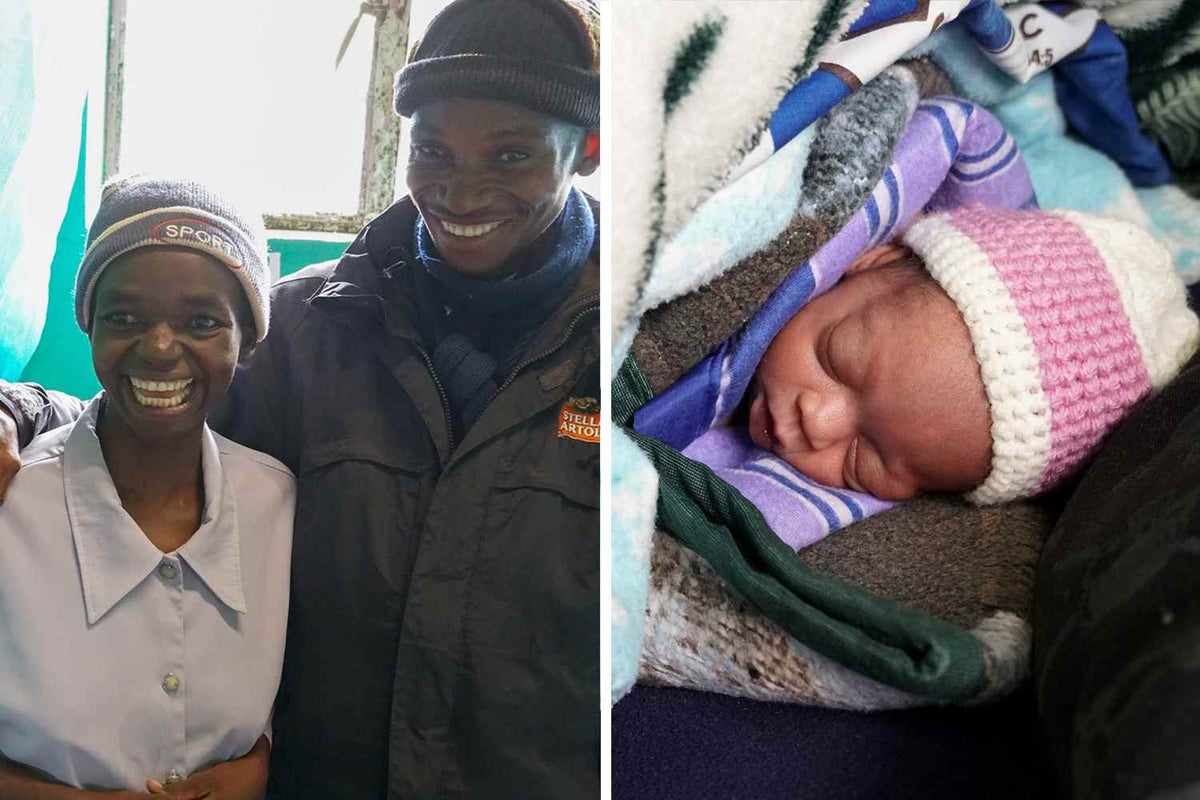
114,555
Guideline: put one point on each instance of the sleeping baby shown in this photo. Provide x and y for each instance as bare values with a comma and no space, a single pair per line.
986,352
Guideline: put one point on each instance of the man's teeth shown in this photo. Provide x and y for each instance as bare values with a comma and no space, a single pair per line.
470,231
180,389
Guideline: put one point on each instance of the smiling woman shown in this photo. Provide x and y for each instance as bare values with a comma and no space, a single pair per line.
179,538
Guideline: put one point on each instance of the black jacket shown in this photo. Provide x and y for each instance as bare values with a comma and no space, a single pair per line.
444,631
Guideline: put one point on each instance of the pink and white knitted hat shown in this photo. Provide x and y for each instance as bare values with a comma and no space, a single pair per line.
1073,318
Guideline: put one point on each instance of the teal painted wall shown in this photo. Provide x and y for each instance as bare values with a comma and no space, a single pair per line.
296,254
63,359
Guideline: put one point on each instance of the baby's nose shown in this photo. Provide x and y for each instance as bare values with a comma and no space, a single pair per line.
828,418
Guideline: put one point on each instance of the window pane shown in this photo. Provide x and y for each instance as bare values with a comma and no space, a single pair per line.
246,94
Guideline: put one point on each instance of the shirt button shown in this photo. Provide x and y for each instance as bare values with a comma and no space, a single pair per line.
174,777
167,570
170,683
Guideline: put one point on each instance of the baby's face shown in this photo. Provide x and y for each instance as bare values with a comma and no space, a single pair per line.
874,387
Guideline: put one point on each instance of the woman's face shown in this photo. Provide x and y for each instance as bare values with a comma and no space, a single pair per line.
490,177
169,327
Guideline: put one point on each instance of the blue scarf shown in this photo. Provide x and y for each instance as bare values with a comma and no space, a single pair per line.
477,328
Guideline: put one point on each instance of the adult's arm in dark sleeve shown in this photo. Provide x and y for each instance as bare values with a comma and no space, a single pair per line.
36,410
26,410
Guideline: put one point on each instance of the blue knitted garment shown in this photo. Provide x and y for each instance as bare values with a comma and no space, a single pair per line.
477,328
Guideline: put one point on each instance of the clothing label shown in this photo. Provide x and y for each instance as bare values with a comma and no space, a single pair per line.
188,231
579,419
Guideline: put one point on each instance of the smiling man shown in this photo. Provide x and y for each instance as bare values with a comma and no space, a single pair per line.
436,393
522,162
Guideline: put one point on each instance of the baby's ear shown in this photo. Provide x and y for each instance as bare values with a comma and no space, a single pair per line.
880,256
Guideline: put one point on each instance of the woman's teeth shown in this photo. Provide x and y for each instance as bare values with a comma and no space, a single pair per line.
179,390
470,231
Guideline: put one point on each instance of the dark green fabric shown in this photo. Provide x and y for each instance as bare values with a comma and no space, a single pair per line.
891,643
831,22
690,61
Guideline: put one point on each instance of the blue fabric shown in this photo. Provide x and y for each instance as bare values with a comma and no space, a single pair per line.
1093,95
990,29
1091,83
884,21
807,100
880,12
1066,171
677,744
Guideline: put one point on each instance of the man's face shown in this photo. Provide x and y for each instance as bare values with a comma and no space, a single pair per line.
489,178
868,390
168,329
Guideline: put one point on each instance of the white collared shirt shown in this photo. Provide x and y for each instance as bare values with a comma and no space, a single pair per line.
118,662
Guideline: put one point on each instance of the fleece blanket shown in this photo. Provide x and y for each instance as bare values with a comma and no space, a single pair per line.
973,567
807,191
872,651
674,336
968,566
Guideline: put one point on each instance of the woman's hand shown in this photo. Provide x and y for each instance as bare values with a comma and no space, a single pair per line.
185,790
242,778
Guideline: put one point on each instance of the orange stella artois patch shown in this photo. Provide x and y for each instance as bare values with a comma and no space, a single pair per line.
579,419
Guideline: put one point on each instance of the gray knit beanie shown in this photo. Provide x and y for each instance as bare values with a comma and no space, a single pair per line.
147,211
541,54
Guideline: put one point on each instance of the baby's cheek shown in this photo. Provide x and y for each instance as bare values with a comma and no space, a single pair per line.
962,460
824,467
884,482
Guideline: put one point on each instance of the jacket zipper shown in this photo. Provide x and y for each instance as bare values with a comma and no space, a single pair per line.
441,393
593,303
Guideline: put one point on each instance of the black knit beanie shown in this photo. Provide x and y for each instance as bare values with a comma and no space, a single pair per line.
536,53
